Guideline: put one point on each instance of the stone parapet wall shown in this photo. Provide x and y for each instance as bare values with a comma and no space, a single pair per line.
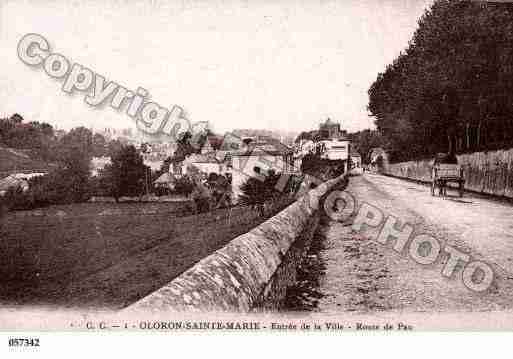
253,271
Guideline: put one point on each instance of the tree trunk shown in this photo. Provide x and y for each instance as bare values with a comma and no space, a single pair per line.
468,135
479,134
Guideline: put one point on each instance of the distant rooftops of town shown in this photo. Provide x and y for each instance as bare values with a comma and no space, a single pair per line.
257,145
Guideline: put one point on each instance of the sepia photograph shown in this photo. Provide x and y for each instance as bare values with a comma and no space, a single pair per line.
284,166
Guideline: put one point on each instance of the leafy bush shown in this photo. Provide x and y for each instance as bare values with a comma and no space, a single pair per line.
126,175
61,186
16,199
322,169
184,186
256,191
162,191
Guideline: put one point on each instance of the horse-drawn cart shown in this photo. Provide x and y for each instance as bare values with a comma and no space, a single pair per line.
446,170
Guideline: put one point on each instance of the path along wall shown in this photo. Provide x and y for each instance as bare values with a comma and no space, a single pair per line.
485,172
254,270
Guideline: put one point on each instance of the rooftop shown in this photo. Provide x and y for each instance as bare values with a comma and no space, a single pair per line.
202,158
264,145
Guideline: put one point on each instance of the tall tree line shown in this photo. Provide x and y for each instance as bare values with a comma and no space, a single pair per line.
452,88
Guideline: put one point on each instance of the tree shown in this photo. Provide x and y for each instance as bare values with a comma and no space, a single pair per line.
256,191
100,146
313,135
78,140
164,168
69,182
364,141
221,189
184,186
183,149
452,88
114,146
35,136
202,196
126,175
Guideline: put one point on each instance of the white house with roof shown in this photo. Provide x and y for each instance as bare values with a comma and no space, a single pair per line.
256,159
238,160
204,163
166,181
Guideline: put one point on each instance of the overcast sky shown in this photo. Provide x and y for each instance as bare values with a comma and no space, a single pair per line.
257,64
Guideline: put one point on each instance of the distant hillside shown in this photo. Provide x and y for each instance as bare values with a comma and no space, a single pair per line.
14,160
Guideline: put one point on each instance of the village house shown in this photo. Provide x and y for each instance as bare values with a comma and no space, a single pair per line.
165,182
256,158
204,163
17,180
236,159
98,164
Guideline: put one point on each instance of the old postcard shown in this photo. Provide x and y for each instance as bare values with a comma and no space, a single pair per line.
255,166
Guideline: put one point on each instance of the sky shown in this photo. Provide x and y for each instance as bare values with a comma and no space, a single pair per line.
279,65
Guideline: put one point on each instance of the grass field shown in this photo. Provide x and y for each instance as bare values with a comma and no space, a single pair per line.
105,254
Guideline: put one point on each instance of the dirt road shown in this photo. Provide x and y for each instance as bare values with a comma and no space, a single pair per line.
360,274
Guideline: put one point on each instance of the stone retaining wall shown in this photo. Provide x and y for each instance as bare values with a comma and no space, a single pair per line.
253,271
